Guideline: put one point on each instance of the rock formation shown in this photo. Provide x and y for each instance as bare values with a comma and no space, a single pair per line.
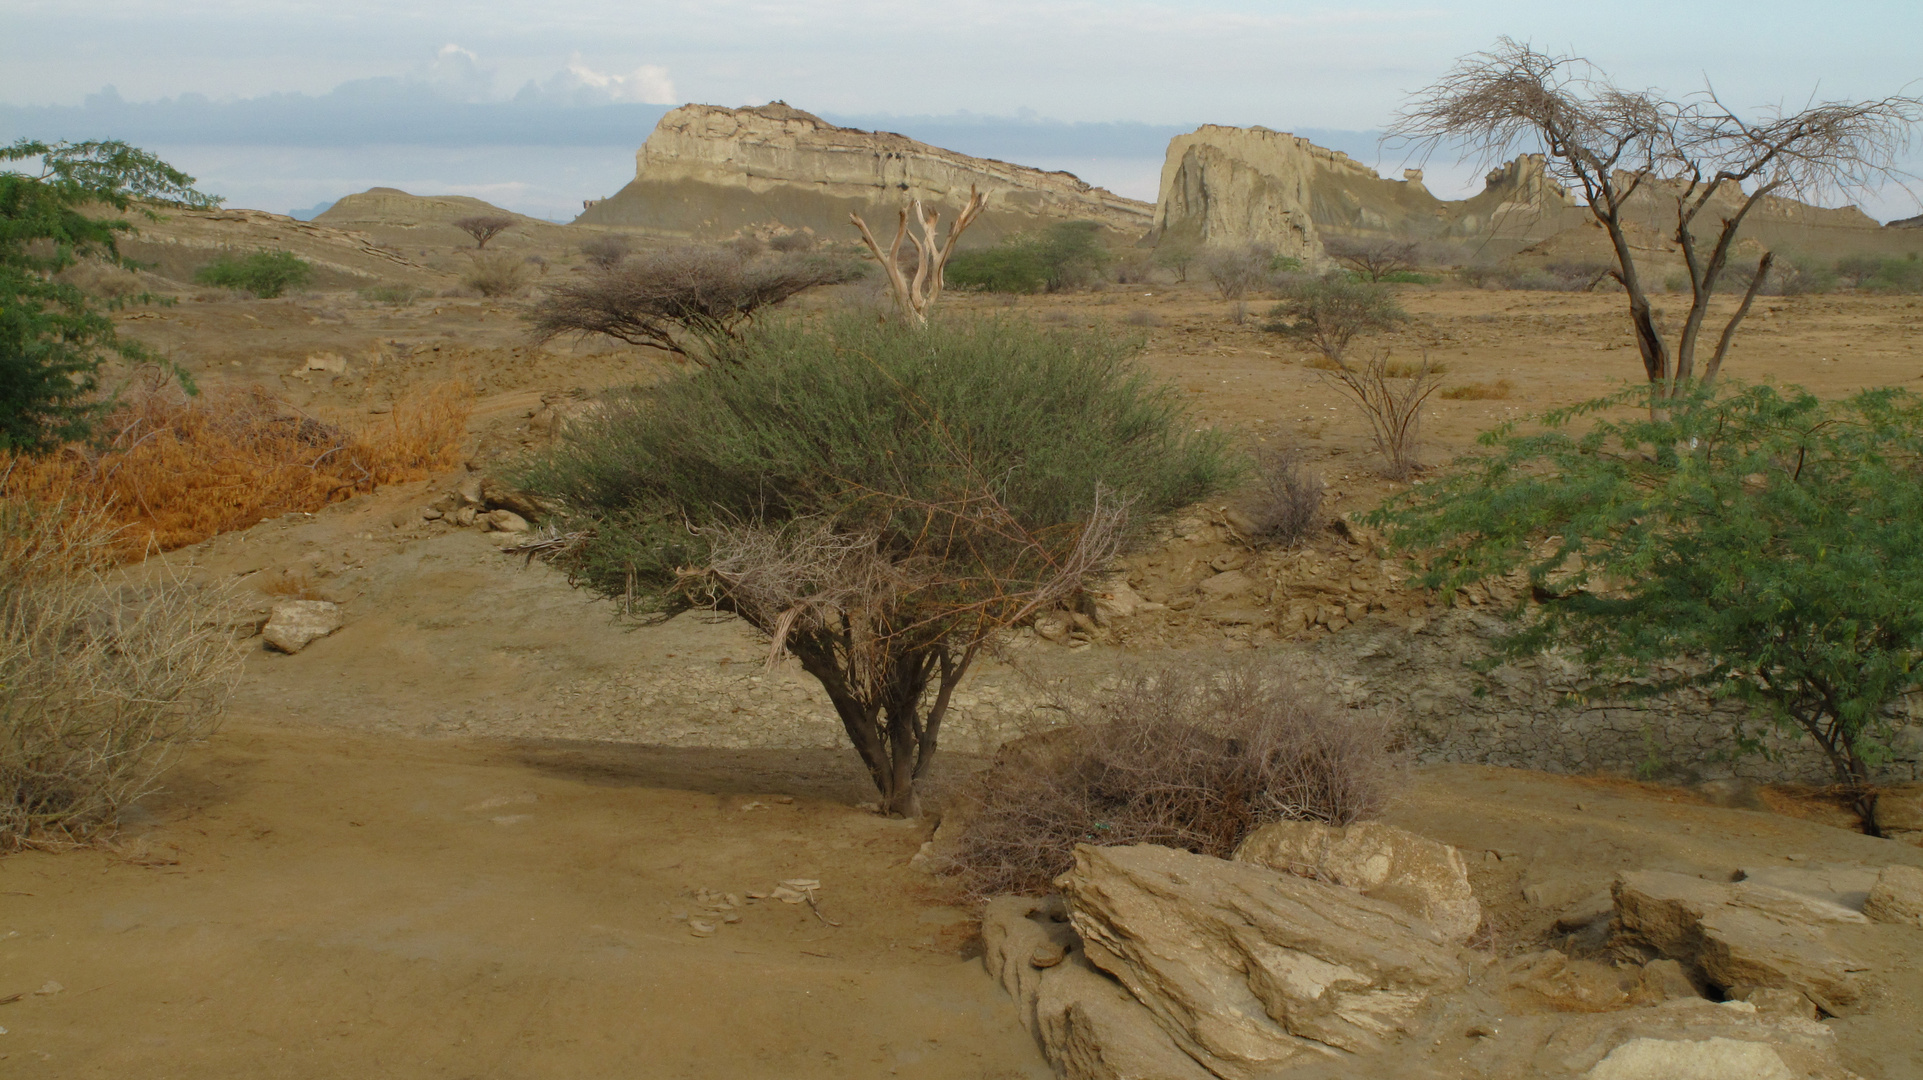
1228,186
710,172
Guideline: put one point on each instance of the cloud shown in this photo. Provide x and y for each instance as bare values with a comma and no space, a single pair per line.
648,84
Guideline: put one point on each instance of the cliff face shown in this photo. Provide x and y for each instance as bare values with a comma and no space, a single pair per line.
1225,186
1228,186
709,172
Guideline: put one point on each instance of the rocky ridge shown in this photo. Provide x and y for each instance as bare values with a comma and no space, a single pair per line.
710,172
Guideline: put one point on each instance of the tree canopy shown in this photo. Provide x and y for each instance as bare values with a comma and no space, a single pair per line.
1769,538
53,339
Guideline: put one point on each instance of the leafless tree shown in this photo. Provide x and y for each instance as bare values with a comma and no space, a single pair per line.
1373,259
1237,272
688,301
484,227
916,295
1391,397
1708,166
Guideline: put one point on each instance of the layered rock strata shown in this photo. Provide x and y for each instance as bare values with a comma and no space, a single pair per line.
711,172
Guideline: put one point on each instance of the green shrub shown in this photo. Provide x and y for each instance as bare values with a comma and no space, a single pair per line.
266,274
1330,312
1760,543
1410,277
1064,255
1886,275
878,500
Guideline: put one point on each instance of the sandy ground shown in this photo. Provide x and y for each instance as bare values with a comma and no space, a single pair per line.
323,892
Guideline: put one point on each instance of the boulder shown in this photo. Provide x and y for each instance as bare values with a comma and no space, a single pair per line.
1896,896
294,624
1714,1058
506,521
527,504
1423,877
1248,967
1740,934
1230,584
1117,600
1089,1027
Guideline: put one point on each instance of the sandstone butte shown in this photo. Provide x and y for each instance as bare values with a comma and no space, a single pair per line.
712,172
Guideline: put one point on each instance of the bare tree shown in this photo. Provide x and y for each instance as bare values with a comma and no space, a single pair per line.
1391,397
484,227
1707,165
915,296
1373,259
691,302
1237,272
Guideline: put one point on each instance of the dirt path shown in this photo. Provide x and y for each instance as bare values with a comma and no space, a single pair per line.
325,904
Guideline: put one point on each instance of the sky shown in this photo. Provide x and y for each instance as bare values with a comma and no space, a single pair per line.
542,105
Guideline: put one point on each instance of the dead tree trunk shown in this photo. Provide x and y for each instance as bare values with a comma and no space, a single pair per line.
917,295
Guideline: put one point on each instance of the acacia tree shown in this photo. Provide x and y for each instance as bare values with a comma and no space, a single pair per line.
1773,538
484,227
1373,259
53,339
879,500
692,302
1708,166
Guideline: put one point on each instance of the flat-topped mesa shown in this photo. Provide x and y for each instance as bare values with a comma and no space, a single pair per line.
710,172
1230,186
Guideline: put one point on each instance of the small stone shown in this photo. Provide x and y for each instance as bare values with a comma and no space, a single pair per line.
428,513
462,517
1047,955
506,521
1229,560
700,929
1227,584
469,492
295,624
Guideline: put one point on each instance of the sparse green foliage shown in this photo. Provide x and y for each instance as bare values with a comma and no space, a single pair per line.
266,274
1064,255
1329,313
878,500
1773,539
52,339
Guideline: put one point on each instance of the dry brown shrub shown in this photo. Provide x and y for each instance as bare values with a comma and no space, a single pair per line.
175,470
1495,391
1192,757
1285,499
103,678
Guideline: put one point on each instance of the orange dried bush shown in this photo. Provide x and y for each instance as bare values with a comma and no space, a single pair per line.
173,470
1495,391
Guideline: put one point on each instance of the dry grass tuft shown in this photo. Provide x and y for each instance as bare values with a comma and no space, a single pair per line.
1192,757
1495,391
175,470
103,679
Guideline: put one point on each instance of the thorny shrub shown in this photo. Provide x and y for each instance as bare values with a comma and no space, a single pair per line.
171,470
1192,757
1285,500
103,680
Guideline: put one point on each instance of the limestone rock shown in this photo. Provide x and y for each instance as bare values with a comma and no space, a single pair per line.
295,624
1741,934
1844,884
1226,585
1116,600
527,504
1896,896
1706,1059
1088,1026
506,521
1423,877
470,492
1249,967
709,171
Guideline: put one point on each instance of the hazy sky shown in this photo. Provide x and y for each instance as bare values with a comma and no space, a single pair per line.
1331,65
310,76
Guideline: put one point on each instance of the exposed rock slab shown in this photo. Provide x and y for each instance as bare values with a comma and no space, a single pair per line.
1425,878
708,171
1247,967
295,624
1087,1024
1896,896
1741,934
